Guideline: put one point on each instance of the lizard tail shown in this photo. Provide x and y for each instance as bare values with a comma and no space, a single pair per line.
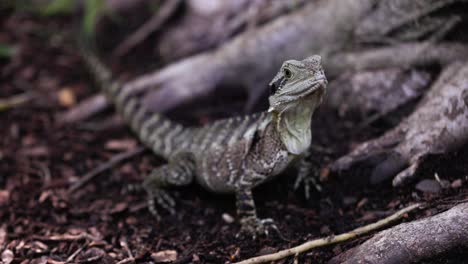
158,133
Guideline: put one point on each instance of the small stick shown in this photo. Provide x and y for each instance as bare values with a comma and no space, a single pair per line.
330,239
124,244
153,24
126,260
14,101
72,256
105,166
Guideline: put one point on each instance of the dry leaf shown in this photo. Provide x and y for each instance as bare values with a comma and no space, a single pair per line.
123,144
4,198
66,97
164,256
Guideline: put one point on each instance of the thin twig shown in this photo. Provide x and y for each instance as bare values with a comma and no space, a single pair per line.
72,256
124,244
105,166
330,239
127,260
15,100
68,237
153,24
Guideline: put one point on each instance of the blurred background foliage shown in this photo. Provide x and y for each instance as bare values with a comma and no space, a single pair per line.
92,10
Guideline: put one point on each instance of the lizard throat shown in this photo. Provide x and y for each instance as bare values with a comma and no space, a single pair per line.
293,124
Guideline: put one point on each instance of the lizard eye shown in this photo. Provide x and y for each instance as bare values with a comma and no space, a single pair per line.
287,73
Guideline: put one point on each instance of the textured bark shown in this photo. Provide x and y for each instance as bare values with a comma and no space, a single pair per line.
391,21
324,27
251,58
404,56
207,24
373,94
414,241
438,125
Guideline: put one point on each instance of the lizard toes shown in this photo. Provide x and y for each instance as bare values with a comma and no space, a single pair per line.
254,227
165,200
162,199
152,208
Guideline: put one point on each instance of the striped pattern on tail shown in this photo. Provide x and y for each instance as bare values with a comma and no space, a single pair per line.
158,133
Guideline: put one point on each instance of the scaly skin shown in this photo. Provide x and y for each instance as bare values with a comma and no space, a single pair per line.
228,156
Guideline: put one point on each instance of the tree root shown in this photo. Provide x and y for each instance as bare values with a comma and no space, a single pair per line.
331,239
438,125
404,56
251,58
396,21
85,109
413,241
373,94
206,25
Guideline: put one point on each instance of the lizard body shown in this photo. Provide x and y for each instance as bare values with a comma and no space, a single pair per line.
231,155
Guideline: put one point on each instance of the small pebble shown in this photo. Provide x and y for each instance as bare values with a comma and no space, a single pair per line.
228,218
430,186
325,230
456,184
7,256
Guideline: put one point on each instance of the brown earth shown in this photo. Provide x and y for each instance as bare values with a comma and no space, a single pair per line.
102,223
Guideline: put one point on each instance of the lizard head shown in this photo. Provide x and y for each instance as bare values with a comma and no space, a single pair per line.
297,81
296,91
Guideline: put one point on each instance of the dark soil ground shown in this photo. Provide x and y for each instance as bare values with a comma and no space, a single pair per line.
102,223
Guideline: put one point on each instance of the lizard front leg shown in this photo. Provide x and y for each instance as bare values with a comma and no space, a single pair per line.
178,172
247,213
307,174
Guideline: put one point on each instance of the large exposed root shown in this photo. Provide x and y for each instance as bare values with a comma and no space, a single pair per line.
373,94
207,24
414,241
250,59
405,55
438,125
330,240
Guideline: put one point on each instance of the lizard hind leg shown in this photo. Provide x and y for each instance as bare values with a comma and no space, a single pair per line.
247,212
178,172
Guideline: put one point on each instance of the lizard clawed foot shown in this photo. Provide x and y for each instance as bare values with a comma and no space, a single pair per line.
307,182
255,226
307,178
162,198
155,196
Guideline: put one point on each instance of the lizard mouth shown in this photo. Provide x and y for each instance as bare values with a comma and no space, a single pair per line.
314,89
318,88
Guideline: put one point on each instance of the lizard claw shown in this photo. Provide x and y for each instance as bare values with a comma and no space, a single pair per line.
163,199
307,179
254,226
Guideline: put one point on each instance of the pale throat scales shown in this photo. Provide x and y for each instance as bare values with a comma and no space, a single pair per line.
294,125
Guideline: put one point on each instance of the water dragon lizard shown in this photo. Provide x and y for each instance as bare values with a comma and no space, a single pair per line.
231,155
